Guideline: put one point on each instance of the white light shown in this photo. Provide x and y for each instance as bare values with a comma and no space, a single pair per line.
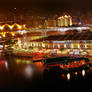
83,73
1,46
15,8
6,64
28,71
68,76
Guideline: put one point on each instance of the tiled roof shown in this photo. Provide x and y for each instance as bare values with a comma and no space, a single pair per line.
77,36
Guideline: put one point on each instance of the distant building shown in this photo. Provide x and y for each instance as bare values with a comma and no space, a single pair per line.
64,21
50,23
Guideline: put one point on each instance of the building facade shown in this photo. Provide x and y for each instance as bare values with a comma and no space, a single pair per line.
68,44
64,21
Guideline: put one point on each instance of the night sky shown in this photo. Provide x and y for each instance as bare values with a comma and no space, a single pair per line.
47,5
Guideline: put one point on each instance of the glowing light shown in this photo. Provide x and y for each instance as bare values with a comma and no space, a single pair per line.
11,27
1,46
1,27
28,71
19,27
83,73
13,34
24,26
66,16
15,8
68,76
3,34
76,73
6,64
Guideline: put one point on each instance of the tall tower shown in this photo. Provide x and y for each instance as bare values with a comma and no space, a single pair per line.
70,20
61,21
66,20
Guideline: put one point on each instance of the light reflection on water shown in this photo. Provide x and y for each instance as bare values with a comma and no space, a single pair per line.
83,73
4,63
68,76
29,70
26,69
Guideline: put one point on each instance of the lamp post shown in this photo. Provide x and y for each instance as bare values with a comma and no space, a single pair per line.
14,9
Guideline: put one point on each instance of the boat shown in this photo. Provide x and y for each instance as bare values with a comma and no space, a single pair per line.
67,63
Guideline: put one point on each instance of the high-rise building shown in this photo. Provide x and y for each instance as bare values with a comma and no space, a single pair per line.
50,23
65,21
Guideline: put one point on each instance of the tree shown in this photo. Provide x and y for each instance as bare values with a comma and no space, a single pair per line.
10,42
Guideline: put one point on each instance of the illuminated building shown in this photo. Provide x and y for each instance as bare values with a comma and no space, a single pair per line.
12,27
70,41
65,21
50,23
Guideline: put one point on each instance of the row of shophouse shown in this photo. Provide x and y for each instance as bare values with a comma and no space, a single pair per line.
78,40
62,44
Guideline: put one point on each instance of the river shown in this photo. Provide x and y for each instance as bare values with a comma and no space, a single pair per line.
21,75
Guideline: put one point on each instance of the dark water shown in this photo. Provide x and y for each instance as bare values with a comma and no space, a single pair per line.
21,75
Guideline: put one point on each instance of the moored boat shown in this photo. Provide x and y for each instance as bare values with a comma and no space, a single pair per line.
67,63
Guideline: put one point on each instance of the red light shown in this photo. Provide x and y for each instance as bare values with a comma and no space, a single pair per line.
0,62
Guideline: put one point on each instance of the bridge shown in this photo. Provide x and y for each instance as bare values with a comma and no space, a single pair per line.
60,29
15,26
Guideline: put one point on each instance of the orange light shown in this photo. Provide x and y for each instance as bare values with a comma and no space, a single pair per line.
13,34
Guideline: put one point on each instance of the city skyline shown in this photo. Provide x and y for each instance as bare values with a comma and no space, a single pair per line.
46,5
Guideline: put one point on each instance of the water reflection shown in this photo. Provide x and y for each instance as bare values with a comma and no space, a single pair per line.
4,63
29,68
68,76
25,69
23,61
83,73
76,73
28,71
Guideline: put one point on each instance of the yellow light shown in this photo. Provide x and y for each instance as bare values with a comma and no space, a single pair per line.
59,18
66,16
3,35
19,27
10,27
76,73
24,26
13,34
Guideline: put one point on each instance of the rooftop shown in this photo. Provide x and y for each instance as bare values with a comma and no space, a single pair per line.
76,36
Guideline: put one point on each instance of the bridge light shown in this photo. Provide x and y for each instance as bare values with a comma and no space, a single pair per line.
19,27
3,34
11,27
1,27
24,26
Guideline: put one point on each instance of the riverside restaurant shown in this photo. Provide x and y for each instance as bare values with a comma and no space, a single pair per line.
70,41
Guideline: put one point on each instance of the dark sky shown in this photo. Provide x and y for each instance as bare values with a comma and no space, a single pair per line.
47,5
